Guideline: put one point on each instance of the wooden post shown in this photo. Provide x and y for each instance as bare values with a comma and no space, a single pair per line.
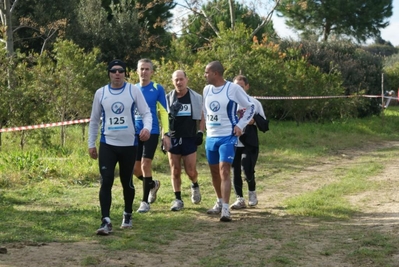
382,90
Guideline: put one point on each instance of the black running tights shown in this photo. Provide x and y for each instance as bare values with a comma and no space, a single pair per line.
108,157
244,160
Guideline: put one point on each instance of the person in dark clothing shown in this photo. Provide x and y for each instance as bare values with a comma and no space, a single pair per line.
186,127
246,156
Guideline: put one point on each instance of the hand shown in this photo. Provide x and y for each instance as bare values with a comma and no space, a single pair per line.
144,135
162,147
166,143
200,137
93,153
237,131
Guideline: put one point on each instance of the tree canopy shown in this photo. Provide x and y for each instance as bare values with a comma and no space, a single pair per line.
126,29
201,26
360,19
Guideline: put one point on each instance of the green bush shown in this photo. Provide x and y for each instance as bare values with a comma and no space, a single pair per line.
360,70
384,50
391,70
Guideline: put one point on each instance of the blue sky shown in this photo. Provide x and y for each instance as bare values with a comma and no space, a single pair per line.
390,33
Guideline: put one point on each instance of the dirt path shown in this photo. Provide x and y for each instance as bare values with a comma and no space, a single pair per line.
379,210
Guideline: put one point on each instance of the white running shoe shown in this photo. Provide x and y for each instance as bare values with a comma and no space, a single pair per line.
144,207
106,227
216,209
127,220
225,217
239,204
252,200
153,192
195,195
177,205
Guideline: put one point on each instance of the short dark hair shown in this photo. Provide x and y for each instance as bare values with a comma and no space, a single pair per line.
241,78
216,66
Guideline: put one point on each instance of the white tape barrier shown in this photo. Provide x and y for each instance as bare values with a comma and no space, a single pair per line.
31,127
317,97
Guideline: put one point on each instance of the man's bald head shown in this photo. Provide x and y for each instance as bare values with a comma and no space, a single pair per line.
216,66
180,80
178,73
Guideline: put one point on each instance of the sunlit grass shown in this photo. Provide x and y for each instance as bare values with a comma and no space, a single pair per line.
50,194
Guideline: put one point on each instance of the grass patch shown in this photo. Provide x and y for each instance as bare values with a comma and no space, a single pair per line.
329,201
50,194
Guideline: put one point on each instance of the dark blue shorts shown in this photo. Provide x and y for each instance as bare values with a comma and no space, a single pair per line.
183,146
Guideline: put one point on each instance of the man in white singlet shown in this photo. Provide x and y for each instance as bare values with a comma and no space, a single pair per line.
223,127
113,108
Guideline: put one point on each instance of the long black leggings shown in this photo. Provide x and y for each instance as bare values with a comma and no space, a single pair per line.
244,161
108,157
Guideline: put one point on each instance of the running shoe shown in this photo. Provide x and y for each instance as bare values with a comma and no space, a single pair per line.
239,204
144,207
106,227
195,195
153,192
253,200
216,209
177,205
127,220
225,217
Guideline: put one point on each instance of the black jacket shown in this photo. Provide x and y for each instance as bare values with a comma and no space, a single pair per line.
250,136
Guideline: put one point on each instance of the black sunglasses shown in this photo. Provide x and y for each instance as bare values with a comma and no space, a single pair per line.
117,70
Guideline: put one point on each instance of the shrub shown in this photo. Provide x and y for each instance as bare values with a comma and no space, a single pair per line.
360,70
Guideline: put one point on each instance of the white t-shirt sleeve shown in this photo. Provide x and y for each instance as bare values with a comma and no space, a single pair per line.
95,118
238,95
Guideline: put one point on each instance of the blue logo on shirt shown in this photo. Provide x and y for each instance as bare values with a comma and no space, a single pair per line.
117,107
214,106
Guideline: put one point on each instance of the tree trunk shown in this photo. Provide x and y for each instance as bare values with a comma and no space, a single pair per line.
22,140
327,30
63,134
232,18
9,41
8,27
83,131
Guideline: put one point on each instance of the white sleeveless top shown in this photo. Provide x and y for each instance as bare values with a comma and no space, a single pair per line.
220,109
117,117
